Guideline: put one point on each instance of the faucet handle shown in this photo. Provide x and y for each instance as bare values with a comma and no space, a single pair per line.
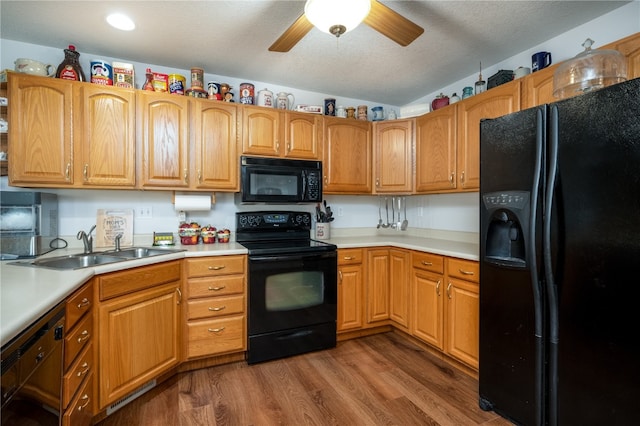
117,240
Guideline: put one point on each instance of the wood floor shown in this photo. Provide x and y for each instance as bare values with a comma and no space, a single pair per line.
376,380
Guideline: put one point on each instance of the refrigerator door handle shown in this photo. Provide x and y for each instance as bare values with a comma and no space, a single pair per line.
551,288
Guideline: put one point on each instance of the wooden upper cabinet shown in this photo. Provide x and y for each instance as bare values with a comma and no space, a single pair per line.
40,138
346,156
630,48
493,103
436,151
107,132
537,88
262,131
215,138
393,156
163,132
303,135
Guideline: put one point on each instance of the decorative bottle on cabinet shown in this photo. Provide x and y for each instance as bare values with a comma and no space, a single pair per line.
70,68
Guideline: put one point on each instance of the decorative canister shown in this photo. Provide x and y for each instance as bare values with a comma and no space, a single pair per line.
177,84
351,112
362,112
265,98
101,72
341,112
466,92
247,91
213,90
197,78
439,102
330,106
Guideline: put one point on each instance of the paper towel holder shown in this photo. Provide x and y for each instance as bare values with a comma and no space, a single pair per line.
173,197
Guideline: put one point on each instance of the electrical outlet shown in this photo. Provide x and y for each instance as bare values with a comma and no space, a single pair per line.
340,211
421,211
145,212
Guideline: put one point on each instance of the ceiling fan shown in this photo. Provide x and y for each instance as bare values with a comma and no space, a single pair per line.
379,17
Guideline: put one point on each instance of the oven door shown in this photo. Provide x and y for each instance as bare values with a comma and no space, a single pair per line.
290,291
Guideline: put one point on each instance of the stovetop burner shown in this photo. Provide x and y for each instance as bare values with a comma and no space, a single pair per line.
277,232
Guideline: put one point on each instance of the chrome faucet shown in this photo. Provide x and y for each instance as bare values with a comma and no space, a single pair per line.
87,239
117,239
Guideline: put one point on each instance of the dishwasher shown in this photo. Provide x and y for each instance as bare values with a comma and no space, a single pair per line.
31,381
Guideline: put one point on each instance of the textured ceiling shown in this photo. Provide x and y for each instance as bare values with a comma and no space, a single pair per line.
231,38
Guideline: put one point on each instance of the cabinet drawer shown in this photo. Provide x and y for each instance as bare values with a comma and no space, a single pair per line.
428,262
217,336
349,256
77,339
216,265
216,286
131,280
73,378
463,269
215,307
78,304
80,412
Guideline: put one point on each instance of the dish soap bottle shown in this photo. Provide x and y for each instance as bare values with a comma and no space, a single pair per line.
70,68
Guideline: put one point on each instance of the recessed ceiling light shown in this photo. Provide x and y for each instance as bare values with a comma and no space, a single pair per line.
121,22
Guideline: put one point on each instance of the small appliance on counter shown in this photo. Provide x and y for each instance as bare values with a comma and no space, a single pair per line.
28,224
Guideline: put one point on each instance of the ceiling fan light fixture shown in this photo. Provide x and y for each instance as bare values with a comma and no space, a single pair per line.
336,17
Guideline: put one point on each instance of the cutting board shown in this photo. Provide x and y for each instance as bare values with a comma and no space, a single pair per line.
111,223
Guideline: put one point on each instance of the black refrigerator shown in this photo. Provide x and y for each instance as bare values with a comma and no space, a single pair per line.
560,261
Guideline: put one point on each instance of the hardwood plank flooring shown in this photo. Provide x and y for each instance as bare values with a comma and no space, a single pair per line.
384,379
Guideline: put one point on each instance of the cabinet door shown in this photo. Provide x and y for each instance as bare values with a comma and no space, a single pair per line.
393,154
40,138
399,286
493,103
163,131
537,88
630,48
463,321
215,136
138,338
377,285
303,135
262,131
107,130
436,150
347,156
428,307
350,281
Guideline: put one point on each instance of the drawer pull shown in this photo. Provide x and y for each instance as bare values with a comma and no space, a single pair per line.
425,263
216,330
83,303
216,268
216,288
86,398
465,272
217,309
83,336
349,257
84,365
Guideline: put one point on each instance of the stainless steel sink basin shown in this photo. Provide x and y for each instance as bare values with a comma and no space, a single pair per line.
75,261
140,252
78,261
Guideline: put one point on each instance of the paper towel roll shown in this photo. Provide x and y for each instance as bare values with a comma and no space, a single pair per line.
192,202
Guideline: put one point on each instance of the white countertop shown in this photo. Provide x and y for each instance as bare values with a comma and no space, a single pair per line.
27,293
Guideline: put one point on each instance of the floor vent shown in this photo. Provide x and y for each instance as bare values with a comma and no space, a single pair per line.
133,395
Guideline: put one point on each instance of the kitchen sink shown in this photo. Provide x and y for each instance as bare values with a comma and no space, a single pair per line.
140,252
74,261
79,261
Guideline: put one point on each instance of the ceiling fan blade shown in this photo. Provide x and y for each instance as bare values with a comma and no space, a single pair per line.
292,35
392,24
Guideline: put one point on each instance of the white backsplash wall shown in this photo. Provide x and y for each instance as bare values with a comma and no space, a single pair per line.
78,210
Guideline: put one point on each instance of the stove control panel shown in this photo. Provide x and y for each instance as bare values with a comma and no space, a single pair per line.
273,220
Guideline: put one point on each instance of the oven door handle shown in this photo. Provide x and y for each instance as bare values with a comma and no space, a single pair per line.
290,257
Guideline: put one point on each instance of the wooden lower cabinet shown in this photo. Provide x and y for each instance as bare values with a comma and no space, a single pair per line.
350,291
399,287
78,399
215,320
428,298
138,327
377,286
463,311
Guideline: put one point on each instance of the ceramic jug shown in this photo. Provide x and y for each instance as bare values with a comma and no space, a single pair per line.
265,98
29,66
285,100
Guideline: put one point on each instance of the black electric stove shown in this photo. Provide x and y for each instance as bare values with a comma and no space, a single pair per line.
276,232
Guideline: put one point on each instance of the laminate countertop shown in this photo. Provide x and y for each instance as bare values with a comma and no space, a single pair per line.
27,293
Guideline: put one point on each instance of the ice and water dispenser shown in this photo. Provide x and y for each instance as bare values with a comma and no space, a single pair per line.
507,216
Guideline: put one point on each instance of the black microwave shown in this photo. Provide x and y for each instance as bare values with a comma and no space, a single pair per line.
276,180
